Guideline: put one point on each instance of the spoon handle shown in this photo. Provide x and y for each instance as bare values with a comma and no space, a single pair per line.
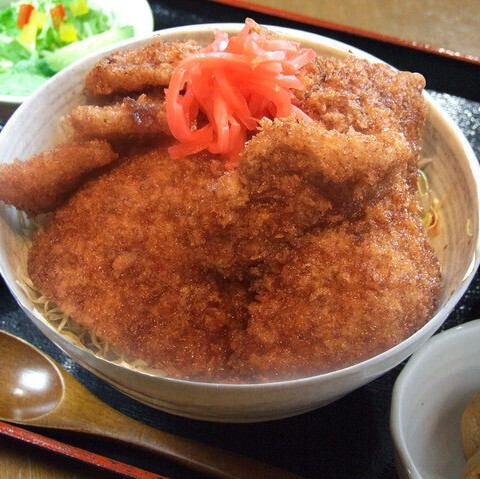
81,411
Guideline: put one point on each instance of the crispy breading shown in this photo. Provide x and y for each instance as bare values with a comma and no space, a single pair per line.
139,69
115,258
118,258
308,257
350,292
348,167
296,177
128,119
368,97
43,182
350,93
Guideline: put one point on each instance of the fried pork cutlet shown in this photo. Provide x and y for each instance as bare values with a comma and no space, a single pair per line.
350,292
118,259
368,97
42,183
349,168
115,258
350,93
296,177
308,257
127,119
136,70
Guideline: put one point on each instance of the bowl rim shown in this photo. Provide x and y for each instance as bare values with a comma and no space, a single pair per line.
437,342
434,322
149,24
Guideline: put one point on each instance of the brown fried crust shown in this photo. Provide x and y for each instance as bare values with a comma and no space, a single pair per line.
136,70
116,259
42,183
347,167
128,119
131,276
350,292
350,93
368,97
309,257
296,177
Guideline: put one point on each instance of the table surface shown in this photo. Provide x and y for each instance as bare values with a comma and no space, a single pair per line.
347,439
452,24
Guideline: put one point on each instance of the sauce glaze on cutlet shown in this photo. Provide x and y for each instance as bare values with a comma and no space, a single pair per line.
308,257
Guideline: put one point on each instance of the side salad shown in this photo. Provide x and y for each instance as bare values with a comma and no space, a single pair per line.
39,38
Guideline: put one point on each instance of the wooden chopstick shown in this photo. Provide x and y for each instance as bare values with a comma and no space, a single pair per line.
102,462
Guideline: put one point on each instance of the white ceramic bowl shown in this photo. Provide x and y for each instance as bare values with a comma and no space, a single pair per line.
127,12
454,177
429,398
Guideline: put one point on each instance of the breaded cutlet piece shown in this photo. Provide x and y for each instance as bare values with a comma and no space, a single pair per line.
352,93
370,98
116,259
139,69
348,167
41,183
129,119
350,292
296,177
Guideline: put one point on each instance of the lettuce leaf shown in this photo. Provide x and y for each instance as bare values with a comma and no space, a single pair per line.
13,51
23,70
8,21
21,79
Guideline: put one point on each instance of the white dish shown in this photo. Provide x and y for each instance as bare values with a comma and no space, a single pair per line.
429,398
127,12
455,178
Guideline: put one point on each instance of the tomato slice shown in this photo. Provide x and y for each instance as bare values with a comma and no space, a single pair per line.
24,13
58,14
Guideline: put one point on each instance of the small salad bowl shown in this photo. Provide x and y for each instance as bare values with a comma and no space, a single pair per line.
128,18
